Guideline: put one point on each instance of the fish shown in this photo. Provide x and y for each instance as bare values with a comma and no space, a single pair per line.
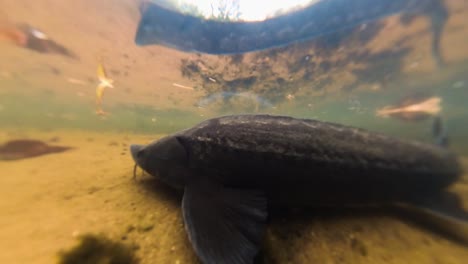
104,82
232,168
29,37
168,27
413,109
27,148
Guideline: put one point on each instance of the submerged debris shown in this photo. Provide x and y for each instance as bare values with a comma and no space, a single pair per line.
27,148
98,249
104,82
413,109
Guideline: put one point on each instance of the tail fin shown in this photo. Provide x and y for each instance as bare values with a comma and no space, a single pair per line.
439,131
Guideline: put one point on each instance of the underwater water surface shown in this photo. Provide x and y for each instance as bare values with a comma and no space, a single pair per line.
76,91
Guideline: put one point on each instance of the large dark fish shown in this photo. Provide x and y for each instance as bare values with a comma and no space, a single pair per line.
185,32
232,167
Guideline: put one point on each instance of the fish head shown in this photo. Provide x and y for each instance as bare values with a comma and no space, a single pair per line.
166,159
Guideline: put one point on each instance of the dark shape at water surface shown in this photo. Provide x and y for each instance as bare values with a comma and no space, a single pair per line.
27,148
174,29
233,168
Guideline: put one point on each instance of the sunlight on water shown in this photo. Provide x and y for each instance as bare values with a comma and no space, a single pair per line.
76,91
246,10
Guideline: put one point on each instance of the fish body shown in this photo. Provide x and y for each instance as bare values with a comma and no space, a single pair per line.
160,25
34,39
232,167
332,161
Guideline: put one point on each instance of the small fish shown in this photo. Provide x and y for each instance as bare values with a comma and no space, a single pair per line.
27,148
34,39
413,109
174,29
104,82
232,167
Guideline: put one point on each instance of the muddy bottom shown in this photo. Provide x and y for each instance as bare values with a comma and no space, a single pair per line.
49,201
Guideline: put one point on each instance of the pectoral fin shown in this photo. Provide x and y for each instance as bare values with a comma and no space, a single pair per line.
224,225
